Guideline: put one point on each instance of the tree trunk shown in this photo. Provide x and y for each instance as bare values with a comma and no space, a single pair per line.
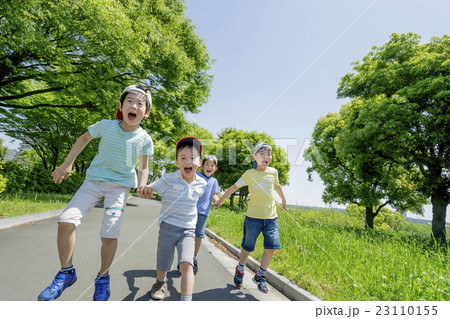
232,199
439,214
369,217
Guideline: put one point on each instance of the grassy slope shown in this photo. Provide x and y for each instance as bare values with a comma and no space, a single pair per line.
331,255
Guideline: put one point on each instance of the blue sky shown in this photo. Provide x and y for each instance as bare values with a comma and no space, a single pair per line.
262,47
278,64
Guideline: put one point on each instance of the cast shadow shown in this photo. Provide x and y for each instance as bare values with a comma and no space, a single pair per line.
131,276
229,293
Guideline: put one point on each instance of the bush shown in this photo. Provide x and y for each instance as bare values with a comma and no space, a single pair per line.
36,178
3,181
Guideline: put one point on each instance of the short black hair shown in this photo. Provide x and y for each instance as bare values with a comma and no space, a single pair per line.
189,142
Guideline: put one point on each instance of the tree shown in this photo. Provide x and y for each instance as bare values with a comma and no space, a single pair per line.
3,150
63,65
353,172
234,153
407,85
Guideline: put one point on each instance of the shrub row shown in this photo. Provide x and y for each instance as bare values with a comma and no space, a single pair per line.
36,178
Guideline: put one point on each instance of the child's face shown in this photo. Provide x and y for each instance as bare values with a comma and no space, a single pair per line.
263,158
188,161
134,111
209,167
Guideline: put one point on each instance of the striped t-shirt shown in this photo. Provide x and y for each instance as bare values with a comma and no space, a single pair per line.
179,199
118,152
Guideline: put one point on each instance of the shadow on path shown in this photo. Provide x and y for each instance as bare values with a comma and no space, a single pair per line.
228,293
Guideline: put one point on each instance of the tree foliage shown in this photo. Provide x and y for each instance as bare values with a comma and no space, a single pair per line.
353,171
405,88
63,65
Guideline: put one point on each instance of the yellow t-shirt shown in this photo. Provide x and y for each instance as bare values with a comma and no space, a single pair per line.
262,202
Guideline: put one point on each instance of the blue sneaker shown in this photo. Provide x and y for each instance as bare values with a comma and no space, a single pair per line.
102,291
62,281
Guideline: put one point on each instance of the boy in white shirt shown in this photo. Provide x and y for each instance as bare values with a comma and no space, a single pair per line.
110,177
178,217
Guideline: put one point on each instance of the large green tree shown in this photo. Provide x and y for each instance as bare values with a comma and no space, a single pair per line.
63,65
404,86
354,172
234,151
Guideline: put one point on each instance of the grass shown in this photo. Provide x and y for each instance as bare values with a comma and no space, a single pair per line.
331,255
27,203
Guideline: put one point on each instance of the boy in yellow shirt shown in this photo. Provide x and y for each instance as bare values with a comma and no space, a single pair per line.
261,214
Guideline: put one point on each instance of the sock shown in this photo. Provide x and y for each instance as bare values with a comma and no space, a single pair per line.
186,298
104,275
68,269
261,272
240,268
195,257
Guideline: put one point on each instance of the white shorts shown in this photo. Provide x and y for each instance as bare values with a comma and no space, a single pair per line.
91,193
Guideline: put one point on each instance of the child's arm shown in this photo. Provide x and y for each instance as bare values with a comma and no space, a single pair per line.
227,194
143,171
280,193
63,171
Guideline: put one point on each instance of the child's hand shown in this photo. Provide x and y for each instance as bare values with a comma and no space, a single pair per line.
145,191
283,206
61,173
218,203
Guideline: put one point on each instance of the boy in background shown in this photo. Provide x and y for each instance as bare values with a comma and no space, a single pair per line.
261,214
209,167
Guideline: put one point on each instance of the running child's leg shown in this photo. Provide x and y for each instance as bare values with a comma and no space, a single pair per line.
66,243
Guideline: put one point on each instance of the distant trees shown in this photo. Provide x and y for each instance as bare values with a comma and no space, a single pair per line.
234,152
63,65
391,142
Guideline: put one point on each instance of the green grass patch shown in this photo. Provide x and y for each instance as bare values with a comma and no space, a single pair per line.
331,255
12,205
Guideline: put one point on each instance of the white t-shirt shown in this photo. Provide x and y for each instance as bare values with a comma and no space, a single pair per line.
179,199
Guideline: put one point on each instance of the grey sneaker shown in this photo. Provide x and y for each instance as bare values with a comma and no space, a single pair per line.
238,278
158,290
261,283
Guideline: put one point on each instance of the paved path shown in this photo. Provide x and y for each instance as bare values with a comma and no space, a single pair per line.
29,261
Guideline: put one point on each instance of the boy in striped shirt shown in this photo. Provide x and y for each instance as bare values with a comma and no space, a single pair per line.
110,176
178,217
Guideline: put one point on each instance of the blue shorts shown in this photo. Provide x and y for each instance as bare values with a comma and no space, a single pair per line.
201,225
254,226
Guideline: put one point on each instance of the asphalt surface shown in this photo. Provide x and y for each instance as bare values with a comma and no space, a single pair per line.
29,262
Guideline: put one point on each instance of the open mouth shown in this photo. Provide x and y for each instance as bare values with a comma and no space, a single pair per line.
131,116
188,170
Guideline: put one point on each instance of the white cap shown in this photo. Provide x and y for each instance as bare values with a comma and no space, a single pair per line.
260,146
134,89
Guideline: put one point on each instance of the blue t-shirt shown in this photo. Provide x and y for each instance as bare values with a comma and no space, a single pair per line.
118,152
204,202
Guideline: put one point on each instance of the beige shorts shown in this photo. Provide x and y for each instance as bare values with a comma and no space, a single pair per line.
91,193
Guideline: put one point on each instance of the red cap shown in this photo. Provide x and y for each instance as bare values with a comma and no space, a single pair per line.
190,140
119,114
